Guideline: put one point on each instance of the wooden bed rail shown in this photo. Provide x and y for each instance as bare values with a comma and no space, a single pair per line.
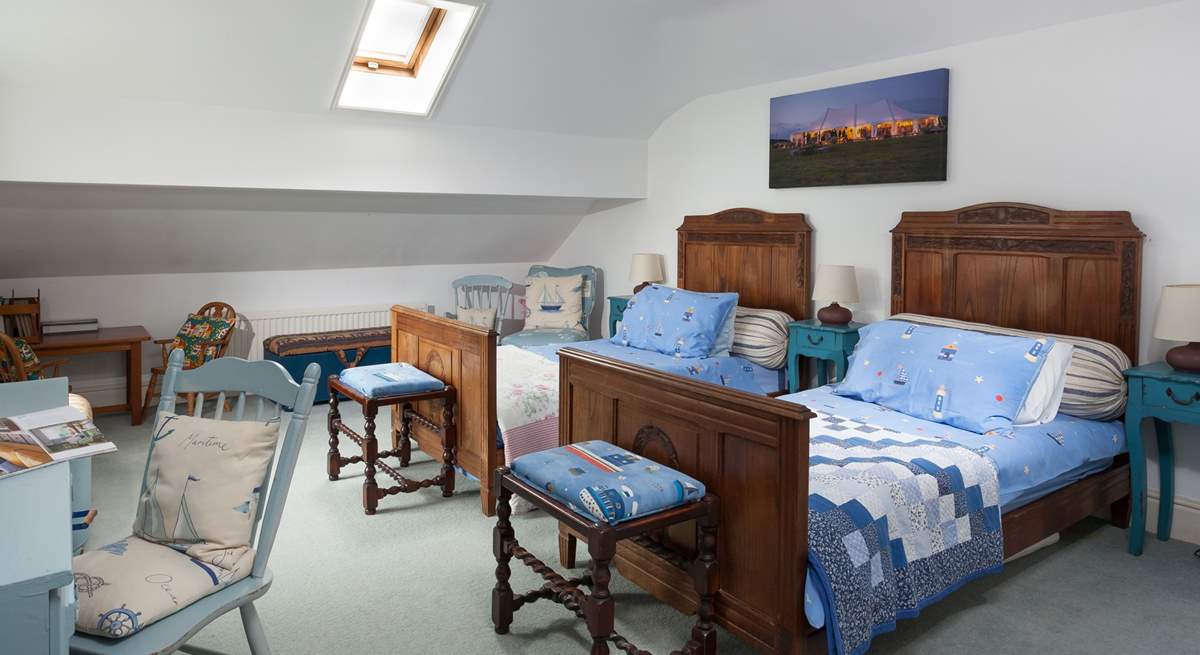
749,449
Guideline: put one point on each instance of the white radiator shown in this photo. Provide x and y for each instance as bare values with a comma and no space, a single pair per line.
253,327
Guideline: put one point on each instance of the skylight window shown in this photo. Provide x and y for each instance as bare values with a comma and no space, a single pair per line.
404,53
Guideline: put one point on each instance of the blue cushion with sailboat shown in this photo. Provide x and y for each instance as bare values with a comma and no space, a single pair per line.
394,379
604,482
675,321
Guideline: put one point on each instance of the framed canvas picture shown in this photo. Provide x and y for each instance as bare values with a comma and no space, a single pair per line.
878,132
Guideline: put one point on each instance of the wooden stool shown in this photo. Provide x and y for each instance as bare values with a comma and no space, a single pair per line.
372,456
597,608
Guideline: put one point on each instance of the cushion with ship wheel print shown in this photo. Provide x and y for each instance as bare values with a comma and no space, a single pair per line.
604,482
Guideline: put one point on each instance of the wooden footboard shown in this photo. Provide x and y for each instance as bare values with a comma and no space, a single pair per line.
750,450
464,356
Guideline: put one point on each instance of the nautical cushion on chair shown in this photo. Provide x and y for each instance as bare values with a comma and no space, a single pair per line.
204,482
125,586
599,480
396,379
554,302
196,332
482,316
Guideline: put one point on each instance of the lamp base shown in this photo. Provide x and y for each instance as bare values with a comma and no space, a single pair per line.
641,286
834,314
1185,358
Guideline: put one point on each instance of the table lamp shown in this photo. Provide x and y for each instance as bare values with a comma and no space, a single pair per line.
645,269
835,283
1179,320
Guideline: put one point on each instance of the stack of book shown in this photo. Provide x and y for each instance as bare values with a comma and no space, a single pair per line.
71,325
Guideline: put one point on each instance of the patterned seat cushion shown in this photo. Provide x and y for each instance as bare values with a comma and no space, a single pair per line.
125,586
544,337
396,379
604,482
197,338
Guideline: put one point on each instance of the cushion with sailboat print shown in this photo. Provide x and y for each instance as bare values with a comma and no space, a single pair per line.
605,482
554,302
125,586
203,485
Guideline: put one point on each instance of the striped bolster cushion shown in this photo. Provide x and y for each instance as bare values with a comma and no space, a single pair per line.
761,336
1095,385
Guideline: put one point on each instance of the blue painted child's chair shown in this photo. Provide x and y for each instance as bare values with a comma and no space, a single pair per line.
541,337
485,292
276,391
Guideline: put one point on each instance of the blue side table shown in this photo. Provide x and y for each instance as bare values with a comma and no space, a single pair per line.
824,343
616,311
1160,392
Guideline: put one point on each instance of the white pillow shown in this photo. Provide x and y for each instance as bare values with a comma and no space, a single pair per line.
1045,396
483,317
554,302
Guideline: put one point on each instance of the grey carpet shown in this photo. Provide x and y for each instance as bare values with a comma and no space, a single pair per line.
416,578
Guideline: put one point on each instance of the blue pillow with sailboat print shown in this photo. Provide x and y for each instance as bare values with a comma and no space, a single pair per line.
605,482
971,380
675,321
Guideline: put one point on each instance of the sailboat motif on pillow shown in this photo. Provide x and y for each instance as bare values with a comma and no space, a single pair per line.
551,302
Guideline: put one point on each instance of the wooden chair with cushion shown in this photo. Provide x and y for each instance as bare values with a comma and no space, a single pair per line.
546,336
242,381
19,362
484,292
204,336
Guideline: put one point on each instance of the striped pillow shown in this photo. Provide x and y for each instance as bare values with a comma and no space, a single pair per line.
1095,383
761,336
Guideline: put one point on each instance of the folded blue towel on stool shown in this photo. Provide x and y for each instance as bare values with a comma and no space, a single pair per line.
602,481
384,380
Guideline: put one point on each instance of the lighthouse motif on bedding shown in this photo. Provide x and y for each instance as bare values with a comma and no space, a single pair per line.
605,482
676,322
971,380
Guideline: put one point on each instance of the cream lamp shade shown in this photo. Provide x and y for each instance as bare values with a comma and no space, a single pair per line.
835,283
646,268
1179,320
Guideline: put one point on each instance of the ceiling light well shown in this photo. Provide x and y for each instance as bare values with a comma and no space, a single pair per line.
404,52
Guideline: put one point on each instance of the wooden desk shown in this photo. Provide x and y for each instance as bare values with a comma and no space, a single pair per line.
107,340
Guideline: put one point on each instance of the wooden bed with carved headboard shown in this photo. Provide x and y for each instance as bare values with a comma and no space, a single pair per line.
1007,264
765,256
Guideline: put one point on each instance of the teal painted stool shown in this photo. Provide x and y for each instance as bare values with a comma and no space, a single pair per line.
1160,392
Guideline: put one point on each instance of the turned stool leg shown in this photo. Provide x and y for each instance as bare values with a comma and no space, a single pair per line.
449,446
370,455
334,460
704,569
502,537
405,444
598,606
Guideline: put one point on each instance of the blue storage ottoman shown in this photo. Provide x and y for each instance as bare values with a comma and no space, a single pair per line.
335,351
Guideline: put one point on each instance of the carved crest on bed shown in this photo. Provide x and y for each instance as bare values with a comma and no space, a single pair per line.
765,257
1022,266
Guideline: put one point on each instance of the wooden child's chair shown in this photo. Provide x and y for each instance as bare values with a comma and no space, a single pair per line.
19,362
203,337
275,390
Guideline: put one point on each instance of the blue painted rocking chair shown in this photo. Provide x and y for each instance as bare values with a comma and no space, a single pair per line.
542,337
275,391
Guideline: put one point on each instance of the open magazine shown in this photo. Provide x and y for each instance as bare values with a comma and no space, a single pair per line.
38,438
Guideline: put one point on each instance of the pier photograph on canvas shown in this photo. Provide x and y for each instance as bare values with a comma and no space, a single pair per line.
879,132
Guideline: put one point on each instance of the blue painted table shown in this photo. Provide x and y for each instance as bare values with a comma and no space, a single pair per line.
616,311
1160,392
822,342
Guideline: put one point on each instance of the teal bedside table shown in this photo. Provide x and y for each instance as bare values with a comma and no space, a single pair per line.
824,343
616,311
1160,392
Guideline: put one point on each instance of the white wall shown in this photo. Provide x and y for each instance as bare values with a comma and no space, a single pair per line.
1088,115
49,137
161,302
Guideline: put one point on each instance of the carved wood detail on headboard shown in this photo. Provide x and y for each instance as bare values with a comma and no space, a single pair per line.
1023,266
765,257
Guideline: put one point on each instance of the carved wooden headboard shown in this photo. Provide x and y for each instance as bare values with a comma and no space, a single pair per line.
1023,266
765,257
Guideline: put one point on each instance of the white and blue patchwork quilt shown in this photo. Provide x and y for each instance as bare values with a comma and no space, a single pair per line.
895,523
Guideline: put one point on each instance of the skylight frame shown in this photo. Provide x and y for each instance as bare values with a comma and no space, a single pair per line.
455,54
409,68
